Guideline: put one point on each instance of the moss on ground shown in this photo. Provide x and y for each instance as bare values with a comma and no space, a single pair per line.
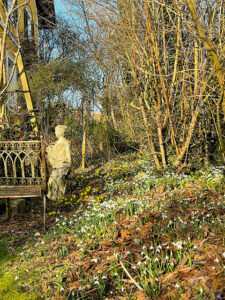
10,288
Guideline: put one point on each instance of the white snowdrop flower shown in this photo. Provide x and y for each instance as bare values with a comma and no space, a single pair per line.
144,247
137,229
96,282
104,277
94,260
195,247
223,254
213,268
151,248
116,274
42,242
139,263
167,258
142,253
17,277
156,259
216,260
177,286
63,223
179,246
128,252
61,289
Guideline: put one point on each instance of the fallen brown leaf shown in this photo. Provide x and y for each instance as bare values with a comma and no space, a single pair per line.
145,230
125,235
141,295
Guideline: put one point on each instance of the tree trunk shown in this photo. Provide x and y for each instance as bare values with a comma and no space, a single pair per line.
84,137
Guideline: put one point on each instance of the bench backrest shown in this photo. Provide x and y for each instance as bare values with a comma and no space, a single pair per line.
22,168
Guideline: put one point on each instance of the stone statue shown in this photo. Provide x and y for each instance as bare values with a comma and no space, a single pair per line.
59,156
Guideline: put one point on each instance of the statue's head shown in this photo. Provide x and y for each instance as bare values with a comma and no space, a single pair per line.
59,130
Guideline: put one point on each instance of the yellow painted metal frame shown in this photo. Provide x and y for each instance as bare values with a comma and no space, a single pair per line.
26,88
12,46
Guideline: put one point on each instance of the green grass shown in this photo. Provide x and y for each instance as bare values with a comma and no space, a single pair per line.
10,289
4,254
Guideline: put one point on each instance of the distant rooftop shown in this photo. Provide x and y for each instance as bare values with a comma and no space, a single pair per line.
97,117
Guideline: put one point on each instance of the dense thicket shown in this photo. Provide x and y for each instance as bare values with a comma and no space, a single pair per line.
161,66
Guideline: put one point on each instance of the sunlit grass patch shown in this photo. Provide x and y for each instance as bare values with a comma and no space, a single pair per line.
10,288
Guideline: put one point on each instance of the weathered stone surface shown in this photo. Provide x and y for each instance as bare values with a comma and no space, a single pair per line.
18,205
59,156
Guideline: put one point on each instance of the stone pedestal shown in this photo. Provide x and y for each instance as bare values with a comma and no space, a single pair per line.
10,206
17,205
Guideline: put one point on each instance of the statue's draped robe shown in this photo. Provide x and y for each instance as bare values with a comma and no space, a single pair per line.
59,156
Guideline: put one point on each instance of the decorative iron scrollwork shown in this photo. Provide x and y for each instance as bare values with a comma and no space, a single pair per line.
20,181
20,163
20,145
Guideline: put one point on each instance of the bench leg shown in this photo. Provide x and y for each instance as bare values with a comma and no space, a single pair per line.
8,209
44,200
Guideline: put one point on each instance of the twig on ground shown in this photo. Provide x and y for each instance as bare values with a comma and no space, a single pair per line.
131,278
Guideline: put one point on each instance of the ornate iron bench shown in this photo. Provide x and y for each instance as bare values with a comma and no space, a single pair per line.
22,171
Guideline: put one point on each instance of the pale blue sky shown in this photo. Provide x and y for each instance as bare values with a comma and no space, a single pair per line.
60,7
